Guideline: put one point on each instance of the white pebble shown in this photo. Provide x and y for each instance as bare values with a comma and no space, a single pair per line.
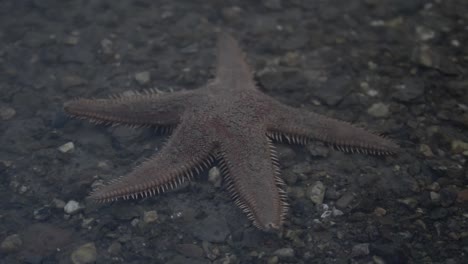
67,147
72,207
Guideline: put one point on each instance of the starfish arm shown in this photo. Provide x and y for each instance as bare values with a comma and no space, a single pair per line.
188,152
298,126
232,69
253,180
139,109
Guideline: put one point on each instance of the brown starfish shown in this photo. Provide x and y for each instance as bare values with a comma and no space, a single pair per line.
228,120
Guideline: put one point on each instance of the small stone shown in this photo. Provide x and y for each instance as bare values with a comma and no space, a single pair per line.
459,146
107,46
87,253
71,40
424,33
67,147
284,253
434,187
379,211
273,260
378,110
345,200
6,113
409,202
115,248
143,78
272,4
72,207
59,204
435,197
337,212
438,213
69,81
190,250
214,176
316,192
150,217
42,213
426,150
360,250
11,243
462,196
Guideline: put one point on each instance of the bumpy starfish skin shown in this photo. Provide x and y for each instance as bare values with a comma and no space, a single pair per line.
230,121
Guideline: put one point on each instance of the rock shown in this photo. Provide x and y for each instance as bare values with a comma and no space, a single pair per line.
438,213
462,196
318,151
435,197
71,40
150,217
410,202
409,90
378,110
272,4
211,229
379,211
360,250
190,250
284,253
42,213
6,113
345,200
143,78
107,46
434,187
214,176
333,90
11,243
72,207
447,197
67,147
59,204
69,81
316,192
86,253
115,248
459,146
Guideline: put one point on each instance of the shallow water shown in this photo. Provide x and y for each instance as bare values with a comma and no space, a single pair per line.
397,67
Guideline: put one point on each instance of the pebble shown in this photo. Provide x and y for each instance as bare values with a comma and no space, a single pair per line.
345,200
462,196
378,110
72,207
59,204
86,253
11,243
409,202
360,250
435,186
272,4
107,46
316,192
150,217
7,113
435,197
211,229
458,146
284,253
67,147
438,213
69,81
214,176
190,250
379,211
143,78
115,248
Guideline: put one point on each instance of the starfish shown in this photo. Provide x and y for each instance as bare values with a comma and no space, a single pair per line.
228,121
